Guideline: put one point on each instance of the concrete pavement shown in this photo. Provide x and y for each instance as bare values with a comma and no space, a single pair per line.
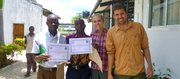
16,70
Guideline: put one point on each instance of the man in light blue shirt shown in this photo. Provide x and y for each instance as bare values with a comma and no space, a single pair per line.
47,70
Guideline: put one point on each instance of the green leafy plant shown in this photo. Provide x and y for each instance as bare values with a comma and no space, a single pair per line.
20,41
8,49
160,75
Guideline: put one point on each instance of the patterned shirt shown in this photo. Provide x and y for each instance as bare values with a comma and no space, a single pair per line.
100,40
78,59
127,45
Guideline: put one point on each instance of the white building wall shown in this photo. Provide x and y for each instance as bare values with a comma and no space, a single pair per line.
20,11
44,25
164,41
138,9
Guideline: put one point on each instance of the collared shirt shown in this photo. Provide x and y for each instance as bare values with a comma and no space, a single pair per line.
29,43
45,38
126,45
79,59
100,41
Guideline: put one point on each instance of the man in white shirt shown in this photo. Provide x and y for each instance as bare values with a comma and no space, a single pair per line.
29,56
47,70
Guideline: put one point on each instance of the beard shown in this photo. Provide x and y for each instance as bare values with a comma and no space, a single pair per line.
121,21
52,29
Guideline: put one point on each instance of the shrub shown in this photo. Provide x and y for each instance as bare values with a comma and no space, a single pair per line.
8,49
20,41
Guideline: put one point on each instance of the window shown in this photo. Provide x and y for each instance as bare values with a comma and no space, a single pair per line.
165,12
173,12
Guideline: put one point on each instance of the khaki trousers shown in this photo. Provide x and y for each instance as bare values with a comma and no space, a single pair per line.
45,74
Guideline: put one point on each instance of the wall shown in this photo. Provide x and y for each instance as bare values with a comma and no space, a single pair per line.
1,27
138,11
44,25
20,11
164,41
165,50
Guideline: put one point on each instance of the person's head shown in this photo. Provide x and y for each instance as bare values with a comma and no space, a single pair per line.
98,21
52,22
79,25
31,29
120,13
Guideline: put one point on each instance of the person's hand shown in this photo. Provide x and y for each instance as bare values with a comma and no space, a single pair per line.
67,63
149,72
41,58
110,76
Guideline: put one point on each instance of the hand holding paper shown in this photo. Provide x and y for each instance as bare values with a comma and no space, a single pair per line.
42,51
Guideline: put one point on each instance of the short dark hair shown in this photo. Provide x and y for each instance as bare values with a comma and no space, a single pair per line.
31,27
118,6
79,19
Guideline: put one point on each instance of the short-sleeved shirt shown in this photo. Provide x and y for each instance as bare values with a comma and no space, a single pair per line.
29,43
100,41
45,38
78,59
126,45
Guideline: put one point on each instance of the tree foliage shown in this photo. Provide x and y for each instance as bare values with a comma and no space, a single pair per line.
74,18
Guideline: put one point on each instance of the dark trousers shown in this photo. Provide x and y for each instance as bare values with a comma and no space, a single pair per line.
31,64
46,74
81,73
139,76
96,74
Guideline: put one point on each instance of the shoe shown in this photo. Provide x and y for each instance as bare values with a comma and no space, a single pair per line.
34,70
27,75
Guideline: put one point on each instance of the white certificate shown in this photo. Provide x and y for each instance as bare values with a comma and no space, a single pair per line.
58,52
80,45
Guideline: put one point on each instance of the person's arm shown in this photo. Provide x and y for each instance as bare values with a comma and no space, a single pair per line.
25,41
110,65
146,51
110,51
149,63
36,51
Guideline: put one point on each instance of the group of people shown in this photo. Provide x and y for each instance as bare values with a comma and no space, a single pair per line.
122,49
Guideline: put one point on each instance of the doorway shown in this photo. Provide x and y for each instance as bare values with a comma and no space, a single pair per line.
18,31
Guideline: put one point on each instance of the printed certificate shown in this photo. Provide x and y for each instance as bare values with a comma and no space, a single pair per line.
80,45
58,52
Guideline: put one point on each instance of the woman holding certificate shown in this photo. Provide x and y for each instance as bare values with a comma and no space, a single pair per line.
98,39
78,67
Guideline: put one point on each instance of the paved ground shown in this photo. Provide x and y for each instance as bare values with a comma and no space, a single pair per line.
16,70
